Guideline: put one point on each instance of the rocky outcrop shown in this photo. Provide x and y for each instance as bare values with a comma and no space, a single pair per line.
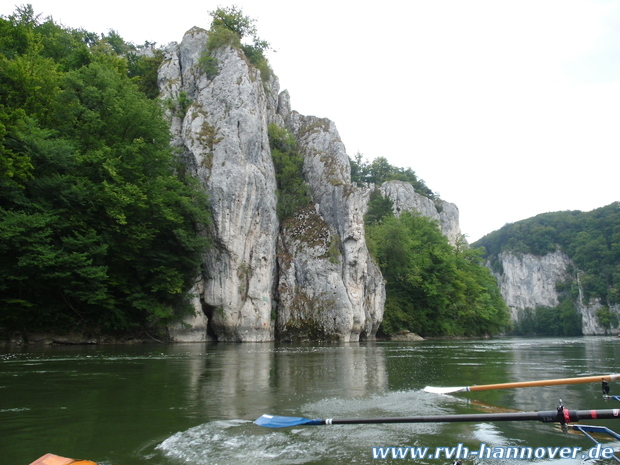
222,136
529,281
404,198
590,321
406,336
311,277
315,278
331,283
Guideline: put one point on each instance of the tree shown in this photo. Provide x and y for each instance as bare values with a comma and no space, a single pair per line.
380,170
379,207
230,26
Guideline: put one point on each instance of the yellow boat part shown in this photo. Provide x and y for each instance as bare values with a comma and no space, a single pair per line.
51,459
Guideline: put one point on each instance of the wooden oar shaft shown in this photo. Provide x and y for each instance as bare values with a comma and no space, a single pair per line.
547,382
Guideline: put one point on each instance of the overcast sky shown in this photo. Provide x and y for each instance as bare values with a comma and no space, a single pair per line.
507,108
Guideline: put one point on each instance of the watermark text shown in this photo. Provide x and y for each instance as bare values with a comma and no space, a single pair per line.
488,452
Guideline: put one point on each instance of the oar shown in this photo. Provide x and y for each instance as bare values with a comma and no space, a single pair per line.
563,416
547,382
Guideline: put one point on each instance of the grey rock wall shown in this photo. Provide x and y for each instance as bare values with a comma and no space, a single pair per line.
223,138
528,281
336,284
314,280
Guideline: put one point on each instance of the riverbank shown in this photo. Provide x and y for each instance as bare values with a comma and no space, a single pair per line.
81,339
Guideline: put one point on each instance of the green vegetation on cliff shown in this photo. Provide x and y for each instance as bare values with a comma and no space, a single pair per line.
293,193
97,222
380,170
230,27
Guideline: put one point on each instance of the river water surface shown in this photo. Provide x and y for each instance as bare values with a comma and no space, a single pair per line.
195,403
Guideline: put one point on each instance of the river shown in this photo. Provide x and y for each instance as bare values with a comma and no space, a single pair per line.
195,404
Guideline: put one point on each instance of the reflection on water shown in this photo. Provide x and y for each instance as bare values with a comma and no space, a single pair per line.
195,403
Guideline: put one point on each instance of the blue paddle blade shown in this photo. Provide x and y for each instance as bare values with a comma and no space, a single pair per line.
274,421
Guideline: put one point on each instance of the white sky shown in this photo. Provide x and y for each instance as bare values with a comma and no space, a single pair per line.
507,108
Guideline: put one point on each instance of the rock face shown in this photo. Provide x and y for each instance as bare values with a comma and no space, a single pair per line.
329,286
405,198
528,281
223,138
315,279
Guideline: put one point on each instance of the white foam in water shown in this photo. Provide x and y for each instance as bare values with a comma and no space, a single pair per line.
241,442
235,441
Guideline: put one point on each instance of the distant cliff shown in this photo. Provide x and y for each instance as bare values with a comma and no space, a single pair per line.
530,281
560,262
310,277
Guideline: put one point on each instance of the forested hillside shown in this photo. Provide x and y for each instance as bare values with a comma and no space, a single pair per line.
97,221
590,239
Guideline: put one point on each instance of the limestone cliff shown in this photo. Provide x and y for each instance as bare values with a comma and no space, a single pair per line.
310,277
528,281
222,136
329,285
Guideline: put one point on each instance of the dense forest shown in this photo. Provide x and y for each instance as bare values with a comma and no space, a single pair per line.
98,223
590,239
